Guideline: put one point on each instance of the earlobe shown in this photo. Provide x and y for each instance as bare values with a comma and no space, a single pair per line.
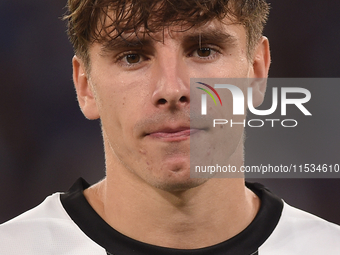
261,65
84,91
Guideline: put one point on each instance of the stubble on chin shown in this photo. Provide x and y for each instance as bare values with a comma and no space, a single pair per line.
174,184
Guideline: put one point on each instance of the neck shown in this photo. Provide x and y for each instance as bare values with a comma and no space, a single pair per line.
209,214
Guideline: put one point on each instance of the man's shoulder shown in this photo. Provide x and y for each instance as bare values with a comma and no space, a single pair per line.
49,209
45,229
299,232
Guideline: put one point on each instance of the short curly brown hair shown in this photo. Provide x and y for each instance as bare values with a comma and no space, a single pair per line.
92,21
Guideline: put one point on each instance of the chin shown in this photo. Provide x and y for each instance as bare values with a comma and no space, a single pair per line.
178,183
173,177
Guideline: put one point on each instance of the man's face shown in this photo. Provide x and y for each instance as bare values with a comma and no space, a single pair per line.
142,96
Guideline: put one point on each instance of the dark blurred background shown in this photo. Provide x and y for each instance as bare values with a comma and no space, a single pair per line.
46,143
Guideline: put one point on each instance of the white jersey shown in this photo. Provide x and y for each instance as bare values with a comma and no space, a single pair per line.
65,224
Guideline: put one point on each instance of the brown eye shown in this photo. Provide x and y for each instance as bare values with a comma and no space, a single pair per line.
132,58
204,52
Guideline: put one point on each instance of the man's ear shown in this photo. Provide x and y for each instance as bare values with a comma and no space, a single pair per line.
261,63
84,91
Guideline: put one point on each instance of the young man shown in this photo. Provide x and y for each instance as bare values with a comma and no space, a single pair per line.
132,69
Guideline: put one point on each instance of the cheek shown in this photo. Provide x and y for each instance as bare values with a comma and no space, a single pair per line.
122,105
234,66
121,95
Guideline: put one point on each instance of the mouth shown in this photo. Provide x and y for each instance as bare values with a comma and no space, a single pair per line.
173,135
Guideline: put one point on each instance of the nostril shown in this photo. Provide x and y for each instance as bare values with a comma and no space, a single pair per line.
162,101
183,99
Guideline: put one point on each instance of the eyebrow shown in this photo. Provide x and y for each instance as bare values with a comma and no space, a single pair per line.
122,43
211,36
197,37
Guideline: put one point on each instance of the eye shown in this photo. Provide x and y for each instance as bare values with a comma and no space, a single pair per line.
204,52
133,58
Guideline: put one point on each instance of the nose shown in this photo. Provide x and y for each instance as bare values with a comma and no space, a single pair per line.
172,81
